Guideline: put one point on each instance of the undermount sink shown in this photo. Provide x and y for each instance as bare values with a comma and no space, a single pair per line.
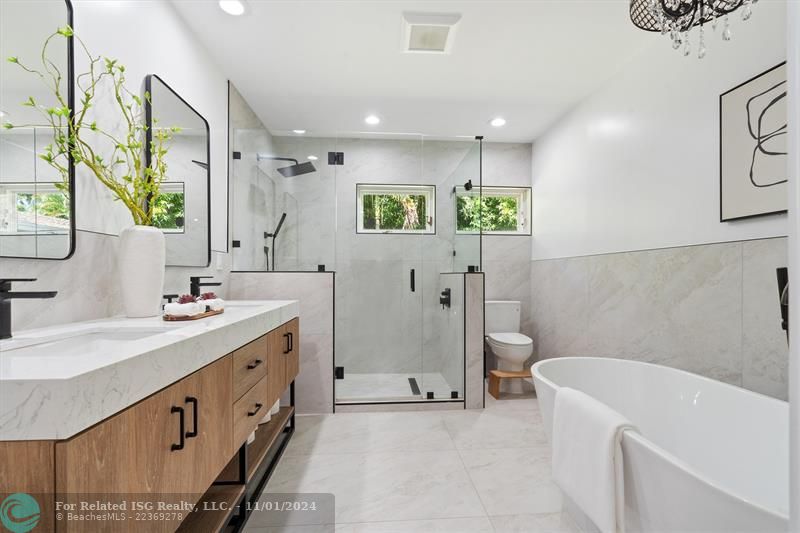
81,347
77,342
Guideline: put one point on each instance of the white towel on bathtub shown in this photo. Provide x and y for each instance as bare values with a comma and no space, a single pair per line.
587,457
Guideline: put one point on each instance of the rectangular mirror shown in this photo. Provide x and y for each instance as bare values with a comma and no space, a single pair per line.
183,207
37,210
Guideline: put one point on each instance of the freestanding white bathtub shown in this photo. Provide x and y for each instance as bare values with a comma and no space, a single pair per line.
708,457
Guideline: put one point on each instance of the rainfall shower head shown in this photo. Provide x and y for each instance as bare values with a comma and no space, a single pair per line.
298,169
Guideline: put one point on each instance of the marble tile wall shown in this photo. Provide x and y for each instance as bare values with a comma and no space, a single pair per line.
709,309
506,259
88,284
474,354
314,385
450,323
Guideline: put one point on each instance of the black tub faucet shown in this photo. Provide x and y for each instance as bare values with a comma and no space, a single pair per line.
195,284
5,302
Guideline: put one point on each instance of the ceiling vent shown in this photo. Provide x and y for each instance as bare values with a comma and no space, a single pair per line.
429,33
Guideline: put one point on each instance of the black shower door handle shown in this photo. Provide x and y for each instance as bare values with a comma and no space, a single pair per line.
413,281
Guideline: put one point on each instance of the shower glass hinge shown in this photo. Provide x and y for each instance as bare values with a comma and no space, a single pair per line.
338,372
429,395
237,155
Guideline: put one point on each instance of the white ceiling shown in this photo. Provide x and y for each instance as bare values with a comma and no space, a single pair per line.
324,65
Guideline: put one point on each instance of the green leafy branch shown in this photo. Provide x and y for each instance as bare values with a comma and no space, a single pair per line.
123,171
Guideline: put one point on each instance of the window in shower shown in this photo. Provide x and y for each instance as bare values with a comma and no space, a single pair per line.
396,208
493,210
169,209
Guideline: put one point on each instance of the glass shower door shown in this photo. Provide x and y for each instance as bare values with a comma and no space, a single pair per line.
455,166
384,215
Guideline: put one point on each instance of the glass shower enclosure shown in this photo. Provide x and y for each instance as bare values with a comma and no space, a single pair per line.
401,253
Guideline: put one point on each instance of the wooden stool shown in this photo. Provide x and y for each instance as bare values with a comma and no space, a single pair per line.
496,375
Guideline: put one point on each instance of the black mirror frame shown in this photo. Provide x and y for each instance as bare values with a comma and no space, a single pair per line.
148,111
70,80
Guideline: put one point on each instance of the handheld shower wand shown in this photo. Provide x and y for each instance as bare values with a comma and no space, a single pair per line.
273,236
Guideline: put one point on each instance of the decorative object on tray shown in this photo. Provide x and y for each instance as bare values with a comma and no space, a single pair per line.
753,147
189,307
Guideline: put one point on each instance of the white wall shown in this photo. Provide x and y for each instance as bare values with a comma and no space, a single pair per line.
636,165
793,24
150,38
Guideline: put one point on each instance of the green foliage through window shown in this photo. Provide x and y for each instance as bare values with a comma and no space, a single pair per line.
396,208
53,205
394,212
168,211
499,210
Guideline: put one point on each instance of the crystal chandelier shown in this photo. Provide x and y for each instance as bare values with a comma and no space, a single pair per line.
678,17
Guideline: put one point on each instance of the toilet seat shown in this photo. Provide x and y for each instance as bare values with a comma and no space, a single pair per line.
510,339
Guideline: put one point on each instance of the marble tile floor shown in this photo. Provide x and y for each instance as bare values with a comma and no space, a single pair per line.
432,471
388,387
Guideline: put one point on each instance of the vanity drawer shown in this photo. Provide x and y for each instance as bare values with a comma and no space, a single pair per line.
248,410
249,365
169,447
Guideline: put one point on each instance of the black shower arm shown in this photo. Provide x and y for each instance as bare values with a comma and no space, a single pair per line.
273,158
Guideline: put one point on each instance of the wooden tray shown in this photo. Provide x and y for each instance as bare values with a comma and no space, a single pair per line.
170,318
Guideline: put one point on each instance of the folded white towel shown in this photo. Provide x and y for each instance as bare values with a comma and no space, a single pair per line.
215,304
587,457
190,309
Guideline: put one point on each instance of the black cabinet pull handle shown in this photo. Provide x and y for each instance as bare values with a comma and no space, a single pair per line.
291,341
288,344
182,422
192,434
256,410
413,281
254,364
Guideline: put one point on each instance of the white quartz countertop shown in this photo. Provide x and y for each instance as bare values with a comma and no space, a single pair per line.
57,381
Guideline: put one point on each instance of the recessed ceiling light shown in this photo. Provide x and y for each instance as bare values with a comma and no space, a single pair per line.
312,158
372,120
232,7
299,132
498,122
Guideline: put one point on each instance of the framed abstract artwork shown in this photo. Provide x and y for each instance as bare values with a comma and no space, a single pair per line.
753,147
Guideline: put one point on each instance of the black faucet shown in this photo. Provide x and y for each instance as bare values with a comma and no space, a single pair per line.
5,302
195,284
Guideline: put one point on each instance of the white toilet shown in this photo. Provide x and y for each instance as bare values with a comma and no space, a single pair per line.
511,347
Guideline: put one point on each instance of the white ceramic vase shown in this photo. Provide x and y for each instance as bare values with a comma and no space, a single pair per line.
141,260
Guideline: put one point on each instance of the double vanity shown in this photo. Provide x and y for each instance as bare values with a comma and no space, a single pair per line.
146,413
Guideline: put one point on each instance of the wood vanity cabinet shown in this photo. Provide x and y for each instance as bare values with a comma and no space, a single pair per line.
147,453
284,358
